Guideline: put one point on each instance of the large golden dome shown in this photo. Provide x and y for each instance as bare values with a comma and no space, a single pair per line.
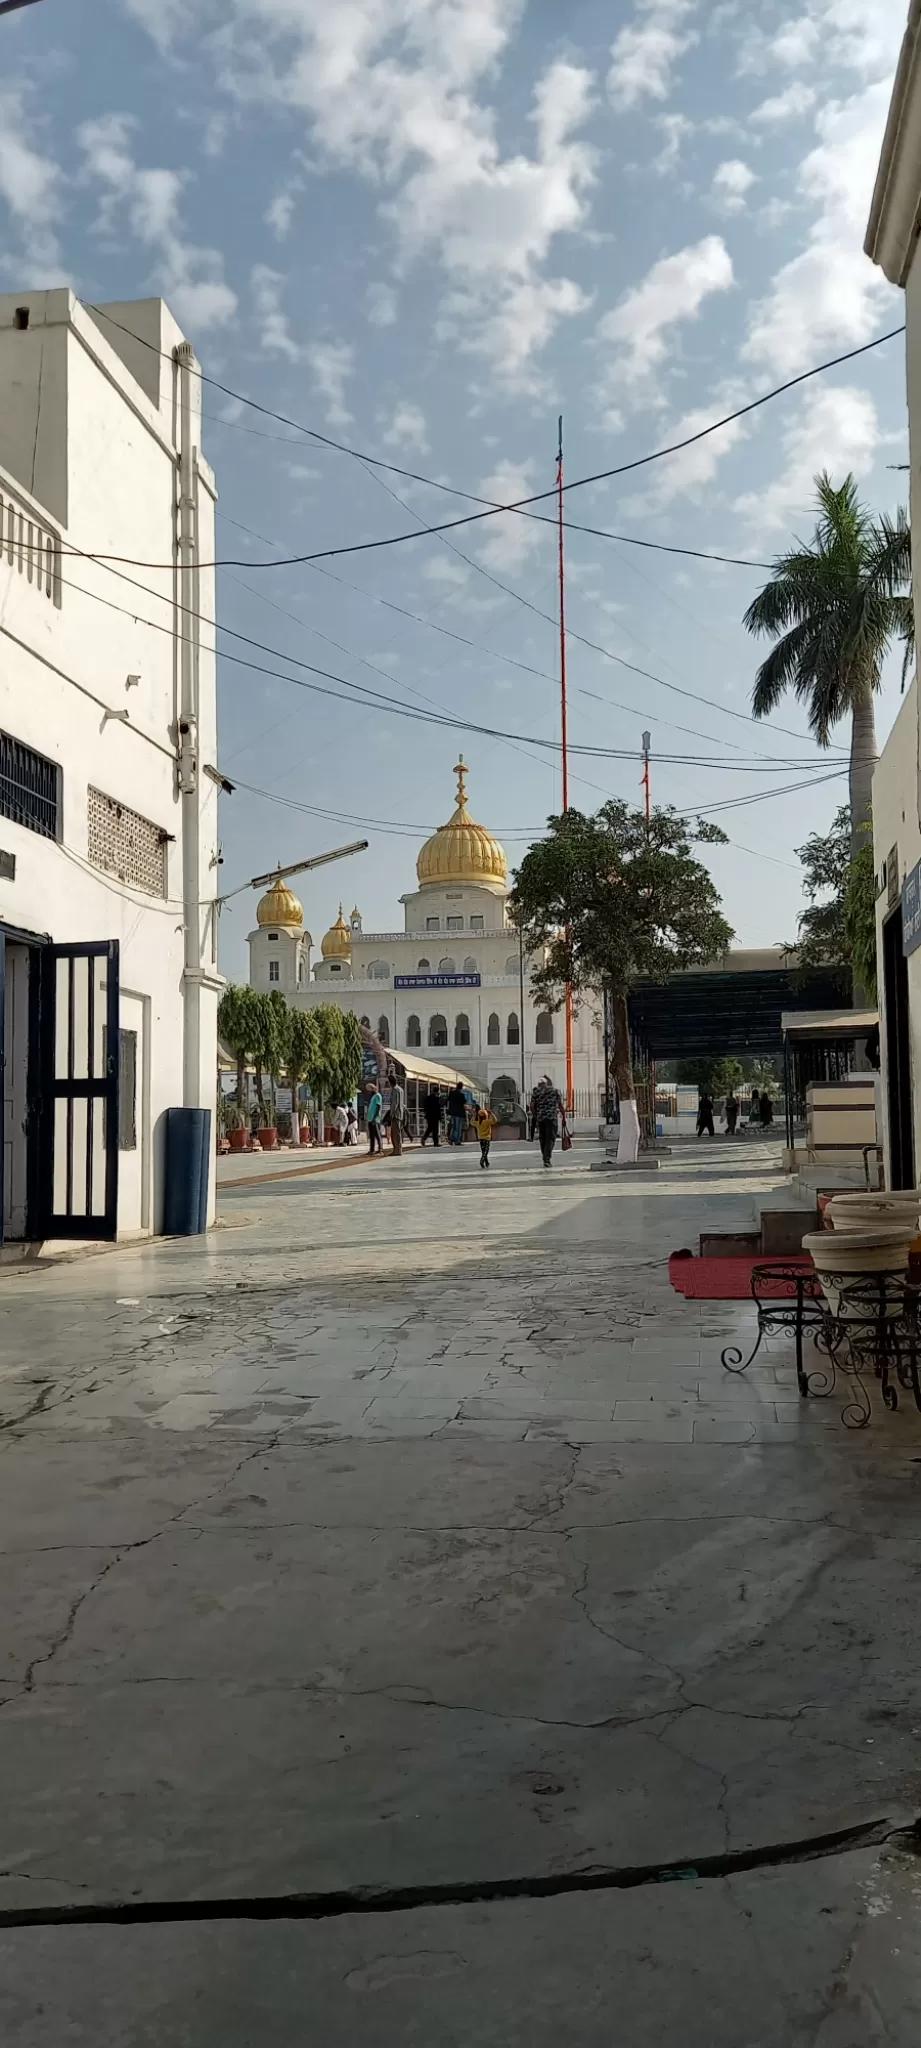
279,905
461,851
337,944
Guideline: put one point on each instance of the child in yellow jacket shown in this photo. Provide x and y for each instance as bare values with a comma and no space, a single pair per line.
484,1125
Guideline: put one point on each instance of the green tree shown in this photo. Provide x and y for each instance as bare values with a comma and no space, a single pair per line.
822,939
860,920
833,608
238,1028
608,899
269,1048
302,1050
352,1057
713,1076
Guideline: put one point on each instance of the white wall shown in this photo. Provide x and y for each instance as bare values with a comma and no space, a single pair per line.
896,825
64,667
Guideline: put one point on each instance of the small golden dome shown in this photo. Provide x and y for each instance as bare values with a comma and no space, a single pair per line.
337,944
279,905
461,851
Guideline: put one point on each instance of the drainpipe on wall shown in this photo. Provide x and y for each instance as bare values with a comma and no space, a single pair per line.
188,765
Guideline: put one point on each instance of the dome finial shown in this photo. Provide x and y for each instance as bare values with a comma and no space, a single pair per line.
461,772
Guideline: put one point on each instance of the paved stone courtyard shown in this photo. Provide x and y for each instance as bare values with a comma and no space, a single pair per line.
407,1539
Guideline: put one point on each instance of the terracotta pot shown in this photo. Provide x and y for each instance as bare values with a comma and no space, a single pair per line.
238,1140
268,1138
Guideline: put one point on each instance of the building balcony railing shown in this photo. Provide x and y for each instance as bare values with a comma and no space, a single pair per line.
29,545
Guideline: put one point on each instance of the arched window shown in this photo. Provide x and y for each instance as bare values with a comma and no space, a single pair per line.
365,1022
413,1032
379,970
470,966
383,1030
512,964
446,966
543,1034
438,1030
493,1034
423,966
513,1034
461,1029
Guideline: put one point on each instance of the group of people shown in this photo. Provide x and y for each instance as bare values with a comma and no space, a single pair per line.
761,1111
546,1116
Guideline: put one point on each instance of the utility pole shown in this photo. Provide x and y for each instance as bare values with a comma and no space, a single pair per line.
647,741
187,736
564,731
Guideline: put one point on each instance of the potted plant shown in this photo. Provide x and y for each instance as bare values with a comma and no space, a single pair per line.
236,1125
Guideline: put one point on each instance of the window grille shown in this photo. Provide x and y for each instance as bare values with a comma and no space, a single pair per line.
124,844
29,787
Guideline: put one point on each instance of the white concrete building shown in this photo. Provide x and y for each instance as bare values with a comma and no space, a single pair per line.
892,241
450,985
108,820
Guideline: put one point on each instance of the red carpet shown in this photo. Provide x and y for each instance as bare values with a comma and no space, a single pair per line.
723,1279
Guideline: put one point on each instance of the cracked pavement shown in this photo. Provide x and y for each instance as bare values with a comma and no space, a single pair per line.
406,1535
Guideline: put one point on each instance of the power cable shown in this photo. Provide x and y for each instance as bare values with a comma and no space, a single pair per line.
491,510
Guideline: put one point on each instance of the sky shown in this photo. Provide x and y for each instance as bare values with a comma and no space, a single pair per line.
425,229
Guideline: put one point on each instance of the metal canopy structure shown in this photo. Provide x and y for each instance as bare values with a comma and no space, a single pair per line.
736,1006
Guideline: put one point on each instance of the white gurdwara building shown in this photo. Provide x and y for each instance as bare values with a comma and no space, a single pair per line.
449,985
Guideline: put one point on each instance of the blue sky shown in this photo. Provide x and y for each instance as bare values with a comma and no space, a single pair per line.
426,227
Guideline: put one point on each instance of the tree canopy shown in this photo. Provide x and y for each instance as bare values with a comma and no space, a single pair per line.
833,608
610,899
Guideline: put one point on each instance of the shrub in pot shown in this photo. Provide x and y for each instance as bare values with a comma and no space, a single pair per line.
236,1125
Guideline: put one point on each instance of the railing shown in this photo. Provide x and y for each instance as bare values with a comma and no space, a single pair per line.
29,545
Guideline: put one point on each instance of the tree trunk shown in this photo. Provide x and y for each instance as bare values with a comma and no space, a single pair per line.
860,781
862,763
241,1077
628,1144
259,1095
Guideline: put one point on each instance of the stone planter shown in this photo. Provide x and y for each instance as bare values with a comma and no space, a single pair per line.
875,1211
268,1138
838,1254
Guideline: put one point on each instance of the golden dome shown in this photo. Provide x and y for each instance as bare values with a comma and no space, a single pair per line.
279,905
461,851
337,944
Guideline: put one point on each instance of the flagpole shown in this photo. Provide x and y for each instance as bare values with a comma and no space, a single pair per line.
564,726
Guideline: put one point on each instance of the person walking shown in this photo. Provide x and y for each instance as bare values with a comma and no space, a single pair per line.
705,1116
341,1121
767,1110
484,1123
548,1109
457,1114
731,1108
375,1116
397,1113
431,1107
754,1107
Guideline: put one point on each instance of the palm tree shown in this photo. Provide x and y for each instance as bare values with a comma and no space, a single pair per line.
833,609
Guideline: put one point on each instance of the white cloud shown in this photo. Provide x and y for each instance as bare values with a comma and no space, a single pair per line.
796,99
508,541
732,181
332,363
849,35
446,573
675,128
391,89
280,211
674,290
274,332
687,474
828,297
835,428
191,278
645,52
214,134
407,428
381,305
30,184
161,18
